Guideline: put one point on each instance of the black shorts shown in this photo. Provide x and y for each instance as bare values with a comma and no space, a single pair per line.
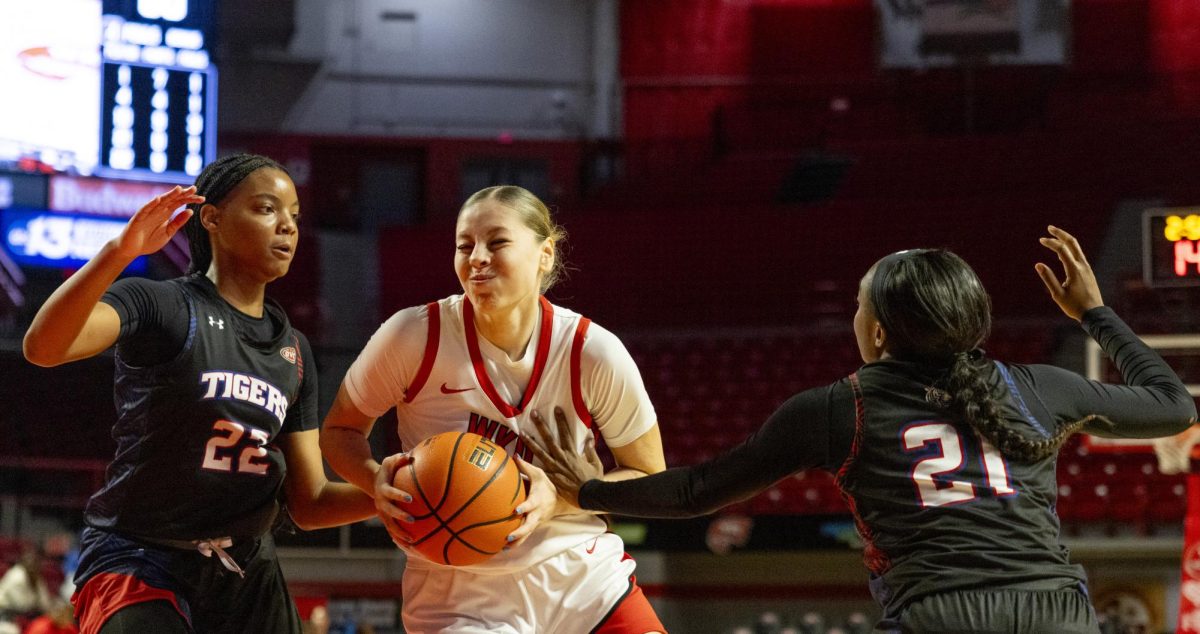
116,571
997,612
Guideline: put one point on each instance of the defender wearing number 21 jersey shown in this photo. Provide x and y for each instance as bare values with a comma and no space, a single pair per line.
939,509
946,458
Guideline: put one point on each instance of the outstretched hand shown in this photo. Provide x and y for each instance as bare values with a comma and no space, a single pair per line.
562,463
1078,291
1175,452
152,226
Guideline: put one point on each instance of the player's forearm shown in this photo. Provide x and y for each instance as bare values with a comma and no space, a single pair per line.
616,475
623,473
1164,407
349,453
334,504
65,314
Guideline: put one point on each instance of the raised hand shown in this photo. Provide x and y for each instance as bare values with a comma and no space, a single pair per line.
153,225
1078,291
566,468
1175,452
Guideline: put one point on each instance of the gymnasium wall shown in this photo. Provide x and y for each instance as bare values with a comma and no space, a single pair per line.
689,66
530,68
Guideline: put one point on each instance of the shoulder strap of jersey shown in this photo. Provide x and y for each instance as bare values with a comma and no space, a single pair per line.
860,414
431,348
193,317
299,364
876,559
577,372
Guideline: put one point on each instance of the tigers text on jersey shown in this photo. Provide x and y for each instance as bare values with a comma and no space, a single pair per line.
453,390
196,453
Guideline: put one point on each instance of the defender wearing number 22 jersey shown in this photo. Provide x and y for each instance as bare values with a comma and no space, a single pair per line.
203,393
199,429
216,412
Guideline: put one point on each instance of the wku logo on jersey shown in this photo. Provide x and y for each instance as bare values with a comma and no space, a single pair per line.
499,434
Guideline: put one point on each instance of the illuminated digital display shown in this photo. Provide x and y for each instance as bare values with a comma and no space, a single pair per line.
35,237
1171,247
119,88
96,196
22,190
49,68
158,89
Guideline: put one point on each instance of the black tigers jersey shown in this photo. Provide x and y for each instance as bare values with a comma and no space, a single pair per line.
196,435
938,508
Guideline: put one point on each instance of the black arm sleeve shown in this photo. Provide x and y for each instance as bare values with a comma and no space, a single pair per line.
154,320
1153,403
796,437
302,414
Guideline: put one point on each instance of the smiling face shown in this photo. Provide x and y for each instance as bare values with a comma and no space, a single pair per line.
499,260
253,229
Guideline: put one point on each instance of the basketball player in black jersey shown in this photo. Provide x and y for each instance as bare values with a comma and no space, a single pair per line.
217,413
945,457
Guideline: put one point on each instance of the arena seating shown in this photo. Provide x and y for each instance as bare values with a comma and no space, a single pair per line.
712,391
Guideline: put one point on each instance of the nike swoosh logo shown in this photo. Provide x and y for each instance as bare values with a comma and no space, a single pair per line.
449,390
593,548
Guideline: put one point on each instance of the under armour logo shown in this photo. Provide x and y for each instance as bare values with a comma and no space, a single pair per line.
219,323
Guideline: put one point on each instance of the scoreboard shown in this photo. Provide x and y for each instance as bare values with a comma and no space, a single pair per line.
123,89
1171,246
158,89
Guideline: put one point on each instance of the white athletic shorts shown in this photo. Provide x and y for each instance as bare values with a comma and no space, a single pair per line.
569,593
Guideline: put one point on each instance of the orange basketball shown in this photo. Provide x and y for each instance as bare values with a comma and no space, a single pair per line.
465,489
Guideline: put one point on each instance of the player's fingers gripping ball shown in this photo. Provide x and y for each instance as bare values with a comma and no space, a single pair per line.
465,489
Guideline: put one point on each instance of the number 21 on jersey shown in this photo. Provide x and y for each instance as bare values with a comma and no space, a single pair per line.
949,460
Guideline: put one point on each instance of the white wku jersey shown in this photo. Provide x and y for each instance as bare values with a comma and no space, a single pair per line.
452,391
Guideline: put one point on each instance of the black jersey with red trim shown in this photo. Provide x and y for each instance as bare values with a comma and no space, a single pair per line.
938,509
197,454
937,506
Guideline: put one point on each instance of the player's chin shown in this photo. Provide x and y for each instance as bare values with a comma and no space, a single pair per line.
482,299
277,269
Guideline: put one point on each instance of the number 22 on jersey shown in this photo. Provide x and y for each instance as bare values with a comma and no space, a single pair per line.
948,460
226,434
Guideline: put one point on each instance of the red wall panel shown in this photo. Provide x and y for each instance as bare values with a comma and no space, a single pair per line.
680,60
760,266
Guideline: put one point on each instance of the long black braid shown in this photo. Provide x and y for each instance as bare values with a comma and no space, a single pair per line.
936,311
973,400
214,183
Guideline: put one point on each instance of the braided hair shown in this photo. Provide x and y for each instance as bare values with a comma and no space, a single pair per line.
214,183
935,311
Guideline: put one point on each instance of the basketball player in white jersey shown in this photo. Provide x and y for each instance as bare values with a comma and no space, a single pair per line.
482,362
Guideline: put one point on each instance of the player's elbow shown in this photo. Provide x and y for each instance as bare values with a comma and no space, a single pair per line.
38,353
338,446
1187,414
1182,410
304,518
330,448
304,507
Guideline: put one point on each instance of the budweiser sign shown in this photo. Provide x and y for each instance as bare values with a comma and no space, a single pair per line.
100,197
